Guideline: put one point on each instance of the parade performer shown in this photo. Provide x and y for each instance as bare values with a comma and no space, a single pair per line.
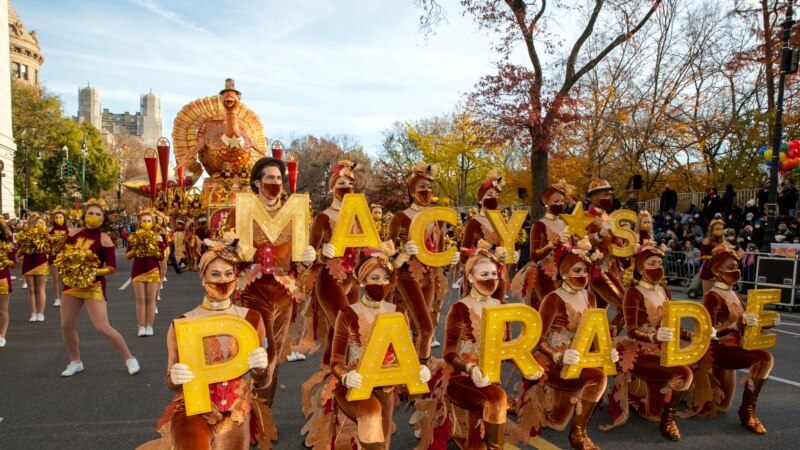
353,329
654,391
417,282
192,247
179,241
228,425
467,387
539,277
714,239
335,286
88,257
8,261
478,227
644,226
34,244
146,248
729,318
606,278
270,283
561,312
381,224
58,235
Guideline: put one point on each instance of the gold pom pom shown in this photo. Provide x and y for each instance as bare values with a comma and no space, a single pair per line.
5,249
77,266
144,244
31,241
57,241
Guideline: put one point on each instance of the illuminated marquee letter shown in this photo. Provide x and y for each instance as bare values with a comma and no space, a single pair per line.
189,333
753,339
388,329
416,233
354,207
593,329
629,236
249,210
672,354
494,350
507,232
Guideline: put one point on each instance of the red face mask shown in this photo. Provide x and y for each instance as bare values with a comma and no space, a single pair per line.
270,190
731,277
556,209
423,197
486,287
654,276
340,192
490,203
220,291
578,282
605,203
377,292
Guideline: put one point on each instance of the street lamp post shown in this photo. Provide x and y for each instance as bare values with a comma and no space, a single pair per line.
85,151
777,137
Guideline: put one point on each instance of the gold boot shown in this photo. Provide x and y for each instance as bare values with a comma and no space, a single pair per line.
494,435
669,428
577,435
747,412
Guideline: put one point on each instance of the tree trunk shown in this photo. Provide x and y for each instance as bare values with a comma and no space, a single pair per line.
540,157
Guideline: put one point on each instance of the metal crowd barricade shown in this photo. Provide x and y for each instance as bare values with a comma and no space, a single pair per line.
679,270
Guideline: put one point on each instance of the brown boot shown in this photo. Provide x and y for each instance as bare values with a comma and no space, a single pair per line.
747,412
494,435
577,435
372,446
669,428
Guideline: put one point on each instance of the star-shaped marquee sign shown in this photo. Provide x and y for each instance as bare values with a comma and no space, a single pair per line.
577,221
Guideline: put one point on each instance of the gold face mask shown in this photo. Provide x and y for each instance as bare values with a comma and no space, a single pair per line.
93,221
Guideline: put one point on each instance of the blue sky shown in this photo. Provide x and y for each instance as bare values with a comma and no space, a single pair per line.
322,67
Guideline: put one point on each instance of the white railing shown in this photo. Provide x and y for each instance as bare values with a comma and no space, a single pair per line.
679,270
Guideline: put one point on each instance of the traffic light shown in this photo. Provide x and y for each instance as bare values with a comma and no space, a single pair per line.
64,169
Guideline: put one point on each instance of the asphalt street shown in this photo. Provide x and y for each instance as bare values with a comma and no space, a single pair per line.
105,408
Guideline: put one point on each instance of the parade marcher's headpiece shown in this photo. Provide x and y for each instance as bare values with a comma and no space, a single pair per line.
561,187
343,168
481,251
230,86
645,250
493,180
376,258
722,252
61,211
258,167
100,203
715,222
567,255
422,170
226,249
599,186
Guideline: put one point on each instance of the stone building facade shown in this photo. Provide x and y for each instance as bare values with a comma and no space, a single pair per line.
144,124
25,54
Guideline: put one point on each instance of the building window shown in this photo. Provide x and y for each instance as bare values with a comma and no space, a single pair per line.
36,76
14,70
24,72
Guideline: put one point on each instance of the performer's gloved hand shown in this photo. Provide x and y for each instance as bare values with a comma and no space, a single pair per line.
516,256
777,321
352,379
665,334
180,374
258,359
424,373
309,255
537,375
478,378
411,248
714,334
614,355
605,228
328,250
571,357
750,319
455,259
